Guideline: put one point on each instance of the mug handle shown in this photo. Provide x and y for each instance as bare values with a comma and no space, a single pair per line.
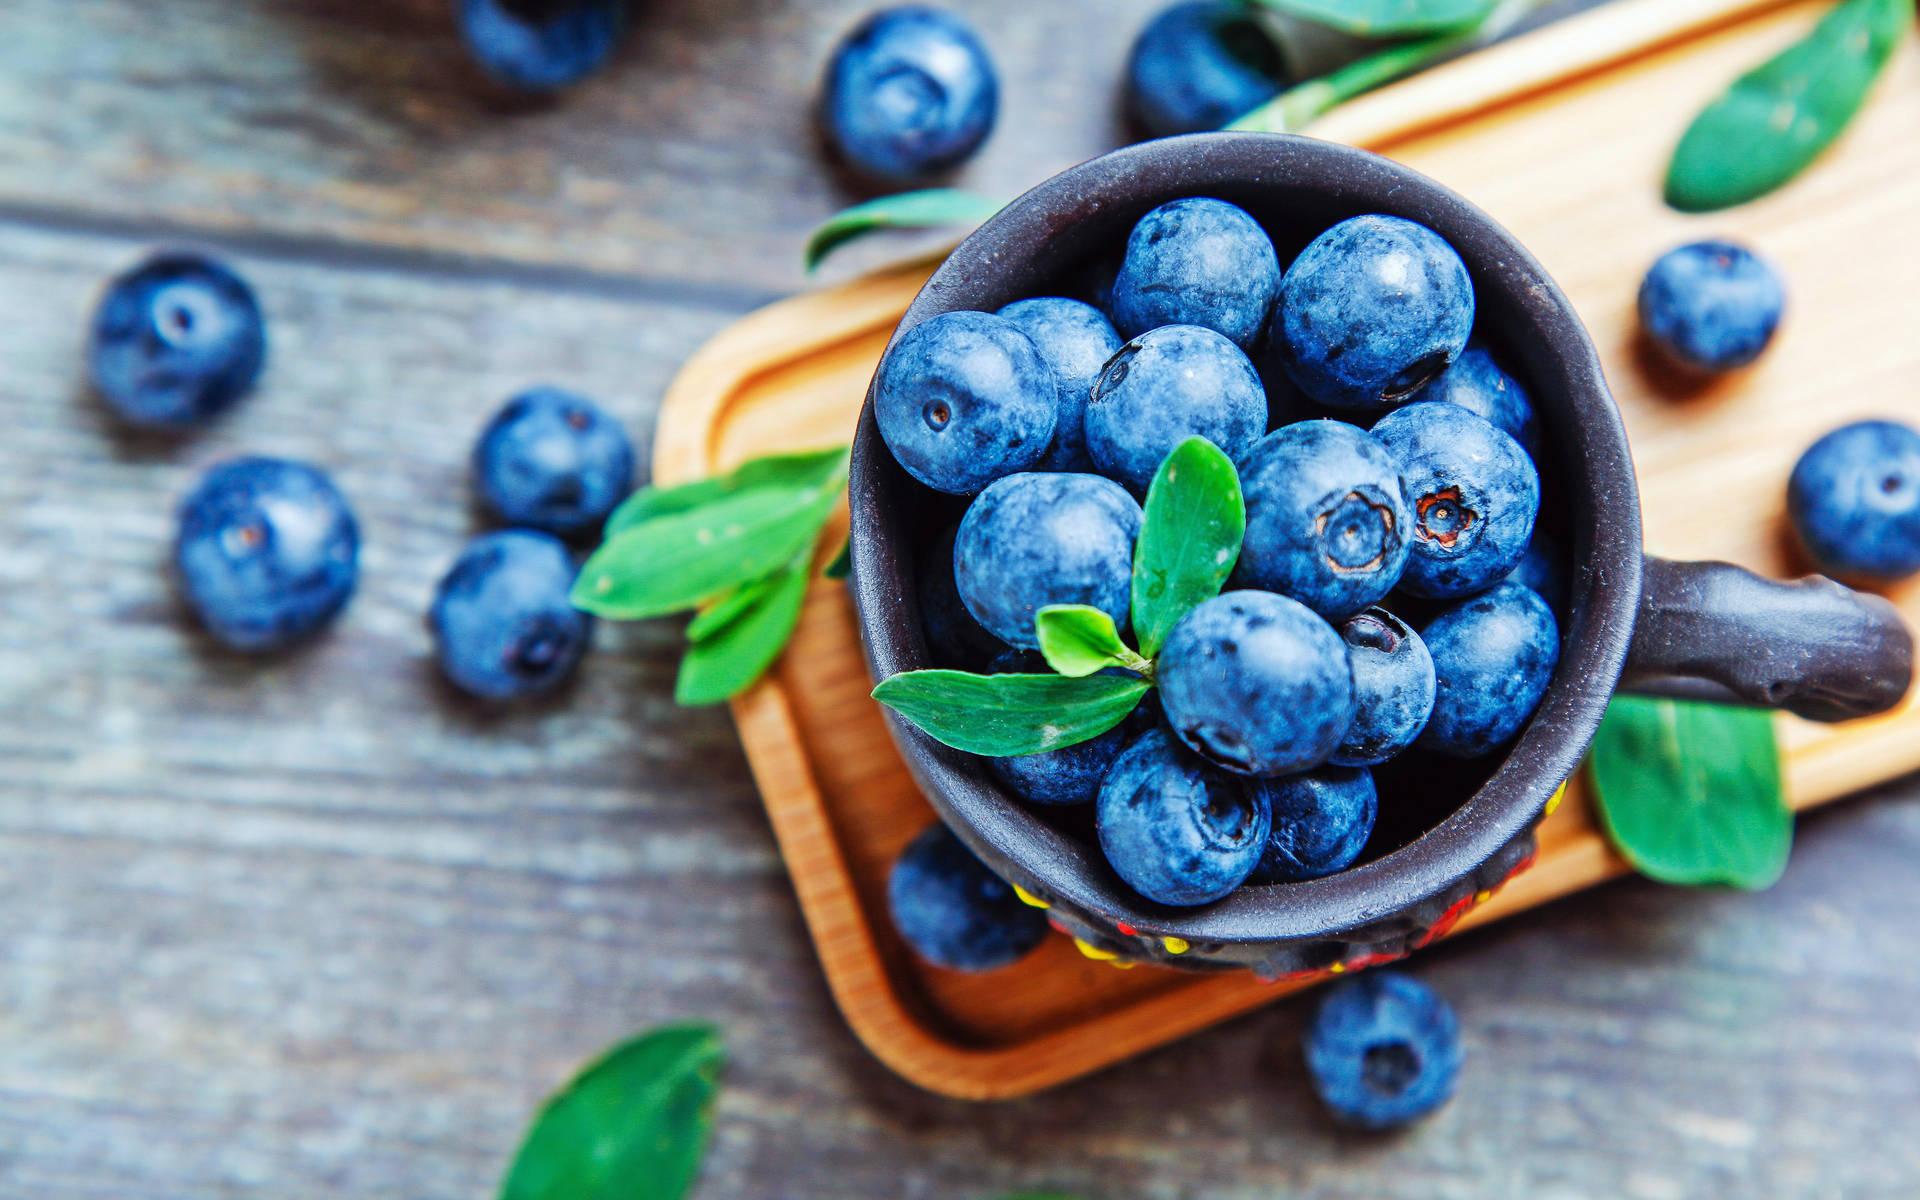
1714,631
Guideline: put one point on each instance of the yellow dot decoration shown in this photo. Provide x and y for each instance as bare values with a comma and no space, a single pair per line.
1557,798
1338,968
1482,897
1175,945
1121,964
1094,952
1027,897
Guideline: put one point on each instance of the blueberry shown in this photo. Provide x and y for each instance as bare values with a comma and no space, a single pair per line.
1712,306
954,912
1163,387
1393,687
1854,499
175,340
268,552
1321,822
1197,261
1076,340
909,93
956,639
1372,311
1178,831
1493,656
1069,775
502,625
1478,384
1257,683
1383,1050
964,399
1541,569
541,45
552,460
1326,521
1033,540
1198,65
1474,494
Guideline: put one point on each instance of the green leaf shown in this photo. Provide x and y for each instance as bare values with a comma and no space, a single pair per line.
842,564
1386,18
732,650
631,1126
902,210
1690,792
1078,639
676,561
1778,117
799,472
1007,715
1189,540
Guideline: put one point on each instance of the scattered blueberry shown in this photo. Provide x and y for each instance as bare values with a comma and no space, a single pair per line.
1478,384
1541,569
502,624
552,460
1178,831
1854,499
268,552
1037,539
1076,340
175,340
1493,656
541,45
1198,65
954,912
1069,775
1393,688
1383,1050
1256,683
963,399
909,93
1197,261
1474,494
1163,387
1321,822
1326,521
1712,306
956,639
1372,311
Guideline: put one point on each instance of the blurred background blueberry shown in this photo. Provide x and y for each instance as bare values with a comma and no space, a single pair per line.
1198,65
1854,500
554,461
175,340
503,627
953,911
1712,305
909,93
541,45
1383,1050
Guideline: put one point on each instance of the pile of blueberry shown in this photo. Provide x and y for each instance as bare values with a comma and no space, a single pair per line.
268,549
1374,609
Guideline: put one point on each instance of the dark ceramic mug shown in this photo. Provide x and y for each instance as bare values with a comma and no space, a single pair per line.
1702,629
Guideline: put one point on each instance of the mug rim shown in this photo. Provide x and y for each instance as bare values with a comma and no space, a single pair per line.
1030,237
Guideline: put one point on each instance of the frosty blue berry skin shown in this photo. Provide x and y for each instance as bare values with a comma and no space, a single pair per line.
1854,501
541,45
1712,306
954,912
1477,383
1163,387
503,626
1493,656
909,93
1198,65
554,461
1197,261
1257,684
176,341
1474,493
1393,688
965,399
1383,1051
267,552
1327,523
1321,821
1372,311
1069,775
1039,539
1076,340
1177,830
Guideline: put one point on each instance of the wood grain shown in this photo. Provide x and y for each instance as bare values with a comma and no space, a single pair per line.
315,927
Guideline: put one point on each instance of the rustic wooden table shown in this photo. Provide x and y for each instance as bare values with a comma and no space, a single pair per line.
316,927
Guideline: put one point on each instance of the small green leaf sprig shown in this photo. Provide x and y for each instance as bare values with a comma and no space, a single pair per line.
738,547
1190,535
1777,118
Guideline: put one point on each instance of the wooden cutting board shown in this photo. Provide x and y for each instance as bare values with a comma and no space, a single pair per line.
1563,136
